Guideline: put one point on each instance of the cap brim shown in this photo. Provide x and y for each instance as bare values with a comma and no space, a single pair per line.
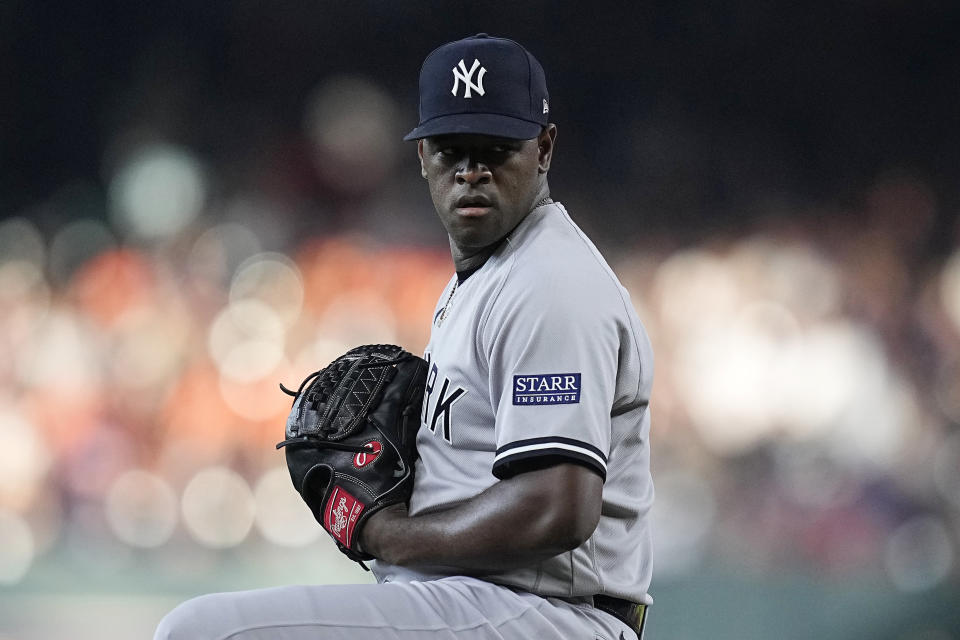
487,124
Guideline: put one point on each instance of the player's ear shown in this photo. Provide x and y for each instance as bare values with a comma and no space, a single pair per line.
546,141
423,170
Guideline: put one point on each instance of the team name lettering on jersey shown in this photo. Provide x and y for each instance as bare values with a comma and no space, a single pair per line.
546,388
439,408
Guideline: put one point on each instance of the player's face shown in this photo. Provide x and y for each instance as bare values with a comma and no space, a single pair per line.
483,186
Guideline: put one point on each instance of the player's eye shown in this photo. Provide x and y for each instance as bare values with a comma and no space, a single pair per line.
504,148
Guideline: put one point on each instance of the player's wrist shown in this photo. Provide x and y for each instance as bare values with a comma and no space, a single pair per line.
373,538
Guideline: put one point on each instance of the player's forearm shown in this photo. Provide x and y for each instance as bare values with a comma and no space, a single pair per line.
515,523
461,538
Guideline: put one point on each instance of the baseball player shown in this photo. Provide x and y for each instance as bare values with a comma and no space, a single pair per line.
529,511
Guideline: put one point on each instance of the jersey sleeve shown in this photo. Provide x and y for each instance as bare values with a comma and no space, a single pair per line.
552,353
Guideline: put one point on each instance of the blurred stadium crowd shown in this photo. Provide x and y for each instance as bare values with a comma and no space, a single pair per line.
806,409
806,403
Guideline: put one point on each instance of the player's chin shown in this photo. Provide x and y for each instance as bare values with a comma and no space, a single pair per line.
473,222
474,237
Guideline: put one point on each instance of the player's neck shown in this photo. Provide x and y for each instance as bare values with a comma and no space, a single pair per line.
470,259
466,261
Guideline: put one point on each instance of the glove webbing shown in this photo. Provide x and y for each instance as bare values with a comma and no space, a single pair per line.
345,391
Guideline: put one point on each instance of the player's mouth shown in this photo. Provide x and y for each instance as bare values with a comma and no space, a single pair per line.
473,206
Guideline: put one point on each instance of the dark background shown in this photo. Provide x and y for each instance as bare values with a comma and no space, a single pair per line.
693,114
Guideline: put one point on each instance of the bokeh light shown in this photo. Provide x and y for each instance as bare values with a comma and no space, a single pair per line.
251,361
24,303
801,278
946,469
244,321
157,192
21,281
358,318
273,279
219,250
352,124
218,508
692,287
21,240
259,400
61,349
16,547
141,508
114,284
919,554
811,477
76,243
682,521
149,347
318,353
282,516
950,288
737,372
24,459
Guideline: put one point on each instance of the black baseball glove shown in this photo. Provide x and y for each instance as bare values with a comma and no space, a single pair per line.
351,438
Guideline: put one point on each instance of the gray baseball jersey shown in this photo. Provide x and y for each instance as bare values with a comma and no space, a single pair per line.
539,357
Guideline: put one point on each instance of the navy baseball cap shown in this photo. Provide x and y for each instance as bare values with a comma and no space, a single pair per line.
486,85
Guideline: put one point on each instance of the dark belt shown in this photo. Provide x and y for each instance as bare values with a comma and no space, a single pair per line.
630,613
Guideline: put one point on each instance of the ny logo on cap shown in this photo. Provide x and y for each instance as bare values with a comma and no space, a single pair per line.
467,77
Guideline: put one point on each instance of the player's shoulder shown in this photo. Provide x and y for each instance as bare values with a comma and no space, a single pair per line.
548,267
551,247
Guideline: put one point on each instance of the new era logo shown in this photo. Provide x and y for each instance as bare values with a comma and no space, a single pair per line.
546,388
460,73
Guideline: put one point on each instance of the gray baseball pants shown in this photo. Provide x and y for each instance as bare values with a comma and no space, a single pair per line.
451,608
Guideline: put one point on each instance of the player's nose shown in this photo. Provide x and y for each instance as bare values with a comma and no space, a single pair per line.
473,171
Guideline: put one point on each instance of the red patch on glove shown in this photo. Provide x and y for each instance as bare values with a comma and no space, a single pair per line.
364,458
341,515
